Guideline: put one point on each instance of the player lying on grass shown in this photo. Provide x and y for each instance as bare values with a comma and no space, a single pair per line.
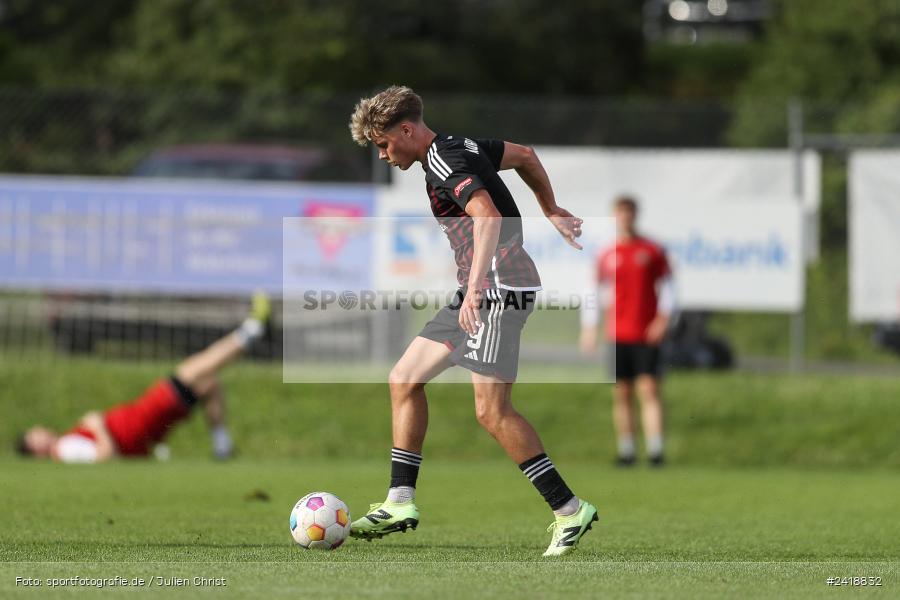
132,429
481,329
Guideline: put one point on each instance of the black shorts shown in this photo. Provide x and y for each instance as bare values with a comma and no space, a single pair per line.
636,359
494,350
185,393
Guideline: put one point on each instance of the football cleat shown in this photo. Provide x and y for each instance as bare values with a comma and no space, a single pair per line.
567,531
261,308
624,462
384,518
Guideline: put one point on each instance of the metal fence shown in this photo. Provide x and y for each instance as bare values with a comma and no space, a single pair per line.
110,132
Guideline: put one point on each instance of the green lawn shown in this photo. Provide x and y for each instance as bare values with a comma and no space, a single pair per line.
681,532
722,419
776,483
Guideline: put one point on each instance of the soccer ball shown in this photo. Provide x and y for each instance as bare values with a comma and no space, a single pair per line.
320,521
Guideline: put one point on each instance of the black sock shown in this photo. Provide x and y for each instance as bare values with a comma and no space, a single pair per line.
541,472
404,467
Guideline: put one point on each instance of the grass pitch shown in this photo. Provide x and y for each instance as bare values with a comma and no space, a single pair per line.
680,532
776,484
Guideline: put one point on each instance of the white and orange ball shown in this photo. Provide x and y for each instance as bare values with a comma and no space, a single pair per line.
320,521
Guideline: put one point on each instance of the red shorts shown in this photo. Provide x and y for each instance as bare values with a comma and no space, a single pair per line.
137,426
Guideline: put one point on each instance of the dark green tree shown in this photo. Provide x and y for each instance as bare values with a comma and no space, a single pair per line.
832,55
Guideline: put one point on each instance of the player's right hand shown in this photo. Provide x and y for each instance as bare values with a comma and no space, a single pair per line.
469,315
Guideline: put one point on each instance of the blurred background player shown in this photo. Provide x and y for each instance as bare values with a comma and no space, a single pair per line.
132,429
634,285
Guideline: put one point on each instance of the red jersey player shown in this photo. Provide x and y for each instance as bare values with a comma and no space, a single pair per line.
635,284
132,429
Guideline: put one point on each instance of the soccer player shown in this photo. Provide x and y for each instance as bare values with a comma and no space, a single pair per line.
637,316
132,429
480,330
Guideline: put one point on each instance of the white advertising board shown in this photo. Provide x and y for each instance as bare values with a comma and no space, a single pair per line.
874,244
733,229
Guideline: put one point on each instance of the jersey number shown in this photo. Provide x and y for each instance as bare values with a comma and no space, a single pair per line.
475,340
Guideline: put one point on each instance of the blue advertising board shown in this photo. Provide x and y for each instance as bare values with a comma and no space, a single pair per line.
140,235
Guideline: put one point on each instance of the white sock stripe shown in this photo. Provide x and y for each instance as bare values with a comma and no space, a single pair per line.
534,465
406,462
409,458
406,453
534,476
532,468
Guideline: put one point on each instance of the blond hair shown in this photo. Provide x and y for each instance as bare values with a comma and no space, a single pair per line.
373,116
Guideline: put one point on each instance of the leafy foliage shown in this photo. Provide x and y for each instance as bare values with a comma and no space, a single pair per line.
295,46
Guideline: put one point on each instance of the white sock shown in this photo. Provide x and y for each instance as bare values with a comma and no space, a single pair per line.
221,441
626,446
655,445
401,494
249,331
569,508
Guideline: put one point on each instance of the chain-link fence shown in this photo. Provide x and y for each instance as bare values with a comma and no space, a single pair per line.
197,134
109,132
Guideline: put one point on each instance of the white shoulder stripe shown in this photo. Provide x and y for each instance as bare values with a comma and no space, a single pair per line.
437,165
440,161
434,170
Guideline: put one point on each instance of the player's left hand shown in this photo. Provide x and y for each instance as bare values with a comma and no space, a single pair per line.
567,224
469,317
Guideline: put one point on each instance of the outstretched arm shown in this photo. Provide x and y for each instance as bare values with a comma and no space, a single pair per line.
528,166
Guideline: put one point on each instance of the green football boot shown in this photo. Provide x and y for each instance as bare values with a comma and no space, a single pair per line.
261,308
384,518
568,530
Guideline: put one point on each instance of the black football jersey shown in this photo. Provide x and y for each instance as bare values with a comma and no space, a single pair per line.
455,167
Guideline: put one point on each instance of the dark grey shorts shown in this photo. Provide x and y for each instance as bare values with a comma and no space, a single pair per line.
494,350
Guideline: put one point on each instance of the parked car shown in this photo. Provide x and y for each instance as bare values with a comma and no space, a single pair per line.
887,336
689,346
85,323
267,162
